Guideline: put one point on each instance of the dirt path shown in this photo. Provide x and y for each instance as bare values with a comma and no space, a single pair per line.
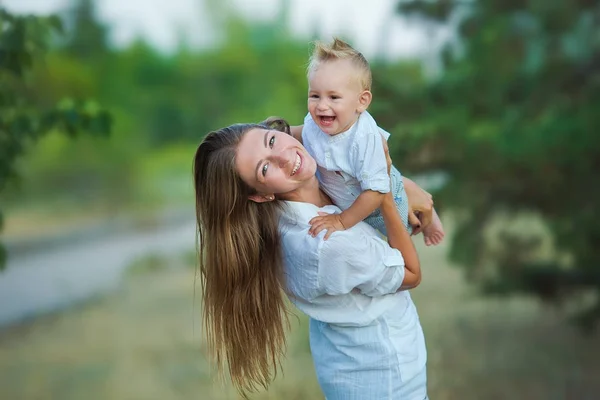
38,282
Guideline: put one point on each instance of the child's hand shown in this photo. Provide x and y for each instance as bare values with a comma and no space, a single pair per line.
331,222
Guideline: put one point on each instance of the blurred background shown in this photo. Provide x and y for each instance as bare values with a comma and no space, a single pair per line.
493,107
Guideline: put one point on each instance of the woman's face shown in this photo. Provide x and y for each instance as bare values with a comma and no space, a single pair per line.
273,162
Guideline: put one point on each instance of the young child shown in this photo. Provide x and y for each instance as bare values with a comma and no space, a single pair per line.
346,143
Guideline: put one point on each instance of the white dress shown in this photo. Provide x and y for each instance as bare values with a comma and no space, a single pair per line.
366,339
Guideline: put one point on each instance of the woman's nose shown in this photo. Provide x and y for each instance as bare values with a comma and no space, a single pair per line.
283,161
283,158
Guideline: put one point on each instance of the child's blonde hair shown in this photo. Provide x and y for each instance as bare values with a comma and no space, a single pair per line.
340,50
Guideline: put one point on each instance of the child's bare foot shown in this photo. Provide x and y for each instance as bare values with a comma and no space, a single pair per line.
433,233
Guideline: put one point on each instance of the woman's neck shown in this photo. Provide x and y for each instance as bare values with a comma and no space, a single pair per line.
309,193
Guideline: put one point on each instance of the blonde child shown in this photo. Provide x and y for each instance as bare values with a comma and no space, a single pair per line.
345,141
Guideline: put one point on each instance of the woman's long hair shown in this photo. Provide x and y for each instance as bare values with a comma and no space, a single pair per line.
241,264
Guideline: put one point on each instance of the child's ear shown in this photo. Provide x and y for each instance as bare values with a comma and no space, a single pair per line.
364,100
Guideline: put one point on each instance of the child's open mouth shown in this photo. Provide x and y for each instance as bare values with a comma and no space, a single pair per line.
326,120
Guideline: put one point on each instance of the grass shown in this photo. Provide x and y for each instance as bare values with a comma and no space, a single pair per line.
144,342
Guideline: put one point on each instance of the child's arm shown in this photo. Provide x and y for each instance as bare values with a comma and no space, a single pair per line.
296,132
367,202
275,123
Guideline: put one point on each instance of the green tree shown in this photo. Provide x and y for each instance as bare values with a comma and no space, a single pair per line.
87,38
23,42
513,121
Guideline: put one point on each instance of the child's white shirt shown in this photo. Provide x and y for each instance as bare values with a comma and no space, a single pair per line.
349,162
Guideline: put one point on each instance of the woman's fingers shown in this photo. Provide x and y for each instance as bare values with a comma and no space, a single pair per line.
414,221
425,216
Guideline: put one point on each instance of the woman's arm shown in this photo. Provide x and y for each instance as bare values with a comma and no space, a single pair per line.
399,239
358,258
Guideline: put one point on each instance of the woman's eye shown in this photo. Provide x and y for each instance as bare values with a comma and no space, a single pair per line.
272,141
264,169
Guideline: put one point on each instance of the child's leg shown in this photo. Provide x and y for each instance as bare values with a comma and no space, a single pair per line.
433,233
400,197
376,221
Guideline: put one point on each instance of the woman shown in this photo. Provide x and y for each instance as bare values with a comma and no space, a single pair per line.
256,192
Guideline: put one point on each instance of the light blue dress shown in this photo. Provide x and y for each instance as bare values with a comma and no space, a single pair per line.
365,336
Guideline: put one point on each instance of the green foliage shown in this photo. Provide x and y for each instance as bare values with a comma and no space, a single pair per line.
161,106
88,38
23,41
513,121
183,97
163,176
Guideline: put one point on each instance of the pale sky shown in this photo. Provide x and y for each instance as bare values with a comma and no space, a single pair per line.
162,22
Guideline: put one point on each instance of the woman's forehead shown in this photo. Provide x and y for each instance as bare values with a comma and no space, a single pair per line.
250,150
255,133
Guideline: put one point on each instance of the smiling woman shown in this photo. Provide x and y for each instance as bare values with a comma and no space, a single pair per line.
283,163
256,192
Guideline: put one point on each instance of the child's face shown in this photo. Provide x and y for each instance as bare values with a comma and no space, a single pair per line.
335,97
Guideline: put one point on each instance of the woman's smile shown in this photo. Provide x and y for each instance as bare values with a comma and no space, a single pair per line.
297,164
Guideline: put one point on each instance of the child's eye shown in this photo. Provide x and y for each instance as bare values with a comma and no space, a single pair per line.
264,169
272,141
313,96
335,97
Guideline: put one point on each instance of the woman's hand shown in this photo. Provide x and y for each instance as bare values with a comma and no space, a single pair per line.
420,206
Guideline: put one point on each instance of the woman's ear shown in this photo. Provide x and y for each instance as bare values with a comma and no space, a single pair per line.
364,101
261,198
